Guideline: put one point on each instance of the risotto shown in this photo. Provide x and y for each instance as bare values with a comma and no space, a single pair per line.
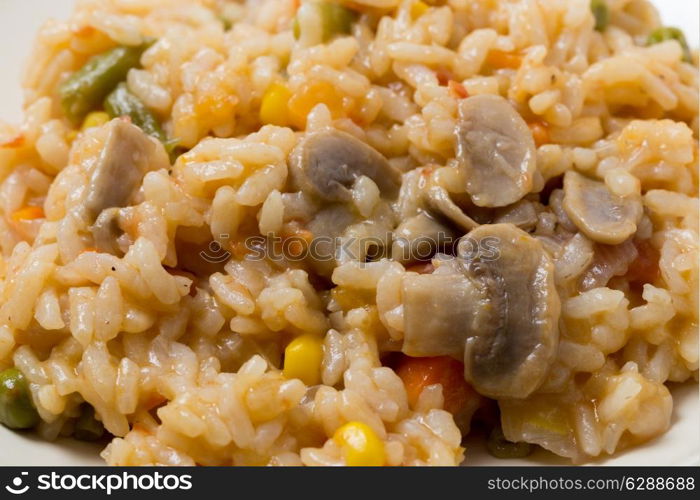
284,232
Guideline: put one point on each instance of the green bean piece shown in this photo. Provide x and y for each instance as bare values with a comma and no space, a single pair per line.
499,447
601,13
335,20
670,33
87,427
85,89
17,410
226,22
121,102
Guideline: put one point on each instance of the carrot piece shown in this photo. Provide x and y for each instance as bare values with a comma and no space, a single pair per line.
457,89
443,76
418,373
501,59
15,142
540,132
30,212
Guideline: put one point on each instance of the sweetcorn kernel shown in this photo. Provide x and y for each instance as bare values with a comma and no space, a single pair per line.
361,445
302,359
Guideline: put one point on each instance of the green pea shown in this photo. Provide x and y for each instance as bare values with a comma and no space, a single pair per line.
499,447
335,20
85,89
670,33
601,12
17,409
87,427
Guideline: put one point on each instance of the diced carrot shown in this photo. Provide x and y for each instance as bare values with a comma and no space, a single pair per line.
84,31
15,142
499,59
457,89
540,132
422,268
645,268
443,76
30,212
418,373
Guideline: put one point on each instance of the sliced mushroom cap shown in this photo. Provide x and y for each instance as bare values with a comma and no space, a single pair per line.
522,214
437,313
499,312
327,164
599,214
514,340
439,202
496,149
128,154
106,231
326,227
419,237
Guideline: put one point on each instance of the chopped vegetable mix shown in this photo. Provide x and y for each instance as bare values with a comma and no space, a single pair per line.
87,427
121,102
601,13
670,33
419,373
335,19
499,447
17,410
85,90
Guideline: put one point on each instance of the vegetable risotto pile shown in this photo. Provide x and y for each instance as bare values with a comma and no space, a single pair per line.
350,233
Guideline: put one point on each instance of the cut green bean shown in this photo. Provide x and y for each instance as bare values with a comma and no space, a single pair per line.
335,20
17,410
670,33
85,89
601,13
121,102
87,427
499,447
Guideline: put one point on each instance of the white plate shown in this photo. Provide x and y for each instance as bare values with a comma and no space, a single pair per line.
19,21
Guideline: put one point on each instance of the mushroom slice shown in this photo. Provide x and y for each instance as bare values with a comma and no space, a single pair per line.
106,231
497,308
599,214
523,214
327,164
437,313
128,154
513,335
496,150
327,226
439,202
419,237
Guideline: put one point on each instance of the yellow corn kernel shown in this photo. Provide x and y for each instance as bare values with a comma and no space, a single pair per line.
360,445
71,136
418,9
95,119
302,359
273,109
309,95
30,212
